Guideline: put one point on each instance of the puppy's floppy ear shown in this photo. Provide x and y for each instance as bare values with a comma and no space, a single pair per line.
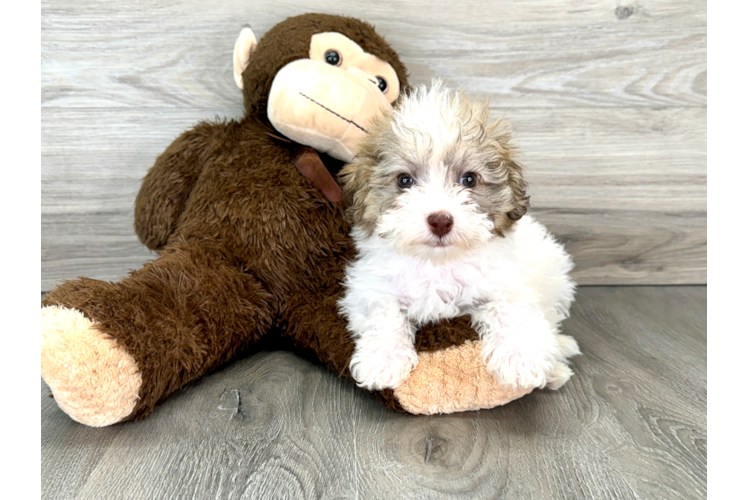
518,186
505,152
355,181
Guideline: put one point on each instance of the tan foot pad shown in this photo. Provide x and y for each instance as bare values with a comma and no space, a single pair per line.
453,380
93,380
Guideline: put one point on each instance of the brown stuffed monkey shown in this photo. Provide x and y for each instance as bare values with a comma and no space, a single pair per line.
251,241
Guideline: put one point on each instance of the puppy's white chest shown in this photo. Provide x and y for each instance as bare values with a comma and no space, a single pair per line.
430,292
424,280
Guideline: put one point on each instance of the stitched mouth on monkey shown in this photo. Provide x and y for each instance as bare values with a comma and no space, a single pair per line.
362,129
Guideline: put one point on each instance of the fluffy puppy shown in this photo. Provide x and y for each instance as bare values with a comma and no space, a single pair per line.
438,208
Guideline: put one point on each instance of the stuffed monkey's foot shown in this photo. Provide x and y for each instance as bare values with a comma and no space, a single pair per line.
452,380
94,380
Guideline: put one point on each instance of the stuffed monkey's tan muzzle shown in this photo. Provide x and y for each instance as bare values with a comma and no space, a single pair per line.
324,107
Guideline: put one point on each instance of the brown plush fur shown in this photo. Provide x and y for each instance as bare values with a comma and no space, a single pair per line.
289,41
246,244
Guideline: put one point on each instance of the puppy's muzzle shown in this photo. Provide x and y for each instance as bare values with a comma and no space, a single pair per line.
440,223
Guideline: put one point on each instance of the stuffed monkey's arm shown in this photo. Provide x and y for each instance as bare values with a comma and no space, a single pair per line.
168,184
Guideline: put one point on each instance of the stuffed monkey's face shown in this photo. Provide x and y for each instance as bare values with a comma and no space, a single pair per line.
327,100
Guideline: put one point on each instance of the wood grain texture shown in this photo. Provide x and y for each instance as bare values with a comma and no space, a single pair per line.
608,102
630,424
535,53
596,184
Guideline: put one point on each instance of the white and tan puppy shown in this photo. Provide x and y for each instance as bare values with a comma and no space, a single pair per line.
438,209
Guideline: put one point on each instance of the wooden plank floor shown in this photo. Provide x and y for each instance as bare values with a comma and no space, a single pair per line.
630,424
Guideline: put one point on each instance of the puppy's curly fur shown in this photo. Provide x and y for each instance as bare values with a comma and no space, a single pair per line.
457,132
438,206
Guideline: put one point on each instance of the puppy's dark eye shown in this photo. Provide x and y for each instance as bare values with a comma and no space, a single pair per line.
333,57
469,179
382,84
404,181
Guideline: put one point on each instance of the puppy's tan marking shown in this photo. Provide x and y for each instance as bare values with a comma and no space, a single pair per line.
468,142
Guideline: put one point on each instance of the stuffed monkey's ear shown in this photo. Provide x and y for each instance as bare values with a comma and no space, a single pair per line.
243,48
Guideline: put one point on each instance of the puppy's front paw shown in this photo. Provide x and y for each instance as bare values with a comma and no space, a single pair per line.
516,368
561,374
383,367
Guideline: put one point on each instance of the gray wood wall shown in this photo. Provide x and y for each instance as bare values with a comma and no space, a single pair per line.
607,100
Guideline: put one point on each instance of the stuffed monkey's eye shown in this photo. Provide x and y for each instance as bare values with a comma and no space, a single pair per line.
404,181
333,57
382,84
469,179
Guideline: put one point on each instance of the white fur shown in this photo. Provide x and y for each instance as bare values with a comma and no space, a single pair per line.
516,288
406,225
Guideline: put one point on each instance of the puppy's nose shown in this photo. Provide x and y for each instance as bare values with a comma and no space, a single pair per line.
440,223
